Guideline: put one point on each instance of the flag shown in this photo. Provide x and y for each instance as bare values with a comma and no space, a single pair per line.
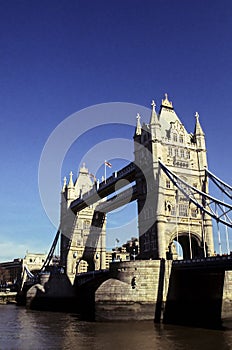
108,164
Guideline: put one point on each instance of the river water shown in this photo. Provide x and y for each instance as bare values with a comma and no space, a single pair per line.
24,329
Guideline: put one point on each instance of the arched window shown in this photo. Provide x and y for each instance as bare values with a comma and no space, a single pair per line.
175,137
182,153
183,210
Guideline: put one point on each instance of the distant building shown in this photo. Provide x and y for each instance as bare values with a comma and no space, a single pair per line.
132,247
33,261
11,272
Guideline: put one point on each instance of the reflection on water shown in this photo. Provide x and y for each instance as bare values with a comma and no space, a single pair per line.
27,329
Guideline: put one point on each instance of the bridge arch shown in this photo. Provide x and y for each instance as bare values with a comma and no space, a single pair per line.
189,243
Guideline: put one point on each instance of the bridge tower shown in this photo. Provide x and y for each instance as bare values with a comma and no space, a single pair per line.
83,246
165,215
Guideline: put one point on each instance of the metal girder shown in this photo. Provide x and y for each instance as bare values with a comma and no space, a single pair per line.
224,187
212,206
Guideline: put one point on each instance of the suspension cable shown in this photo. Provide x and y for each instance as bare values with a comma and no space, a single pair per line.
223,186
177,231
189,233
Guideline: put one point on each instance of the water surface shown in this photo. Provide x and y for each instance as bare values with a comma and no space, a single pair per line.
27,329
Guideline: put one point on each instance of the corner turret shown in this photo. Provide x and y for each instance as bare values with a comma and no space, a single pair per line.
199,139
155,125
199,135
138,130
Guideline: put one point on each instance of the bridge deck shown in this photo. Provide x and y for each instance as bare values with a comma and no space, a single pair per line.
105,188
219,261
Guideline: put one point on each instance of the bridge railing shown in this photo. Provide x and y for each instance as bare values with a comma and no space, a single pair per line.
217,258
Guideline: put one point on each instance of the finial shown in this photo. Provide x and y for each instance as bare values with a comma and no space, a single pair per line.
153,105
166,102
197,115
83,166
138,116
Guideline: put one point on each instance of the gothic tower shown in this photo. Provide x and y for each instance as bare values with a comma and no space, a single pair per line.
83,246
165,215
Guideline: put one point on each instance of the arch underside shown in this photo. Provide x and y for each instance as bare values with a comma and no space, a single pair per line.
190,244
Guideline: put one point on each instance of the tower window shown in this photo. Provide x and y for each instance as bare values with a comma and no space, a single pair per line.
168,184
183,210
181,138
175,137
170,151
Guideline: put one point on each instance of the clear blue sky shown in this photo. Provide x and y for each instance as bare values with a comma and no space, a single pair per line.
57,57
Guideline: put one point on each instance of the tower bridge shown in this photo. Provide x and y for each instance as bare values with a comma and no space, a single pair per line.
169,180
165,213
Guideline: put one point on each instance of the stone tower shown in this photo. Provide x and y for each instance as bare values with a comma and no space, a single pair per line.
165,215
83,246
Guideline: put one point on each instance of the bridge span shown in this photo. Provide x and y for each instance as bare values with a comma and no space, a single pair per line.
169,180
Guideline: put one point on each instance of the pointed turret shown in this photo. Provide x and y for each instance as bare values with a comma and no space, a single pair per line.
199,138
155,125
70,189
198,129
154,118
64,184
199,135
70,184
138,125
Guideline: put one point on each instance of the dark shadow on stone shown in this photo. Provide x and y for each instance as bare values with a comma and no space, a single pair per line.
195,297
159,302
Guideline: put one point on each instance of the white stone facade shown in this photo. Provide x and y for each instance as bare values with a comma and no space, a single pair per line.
164,213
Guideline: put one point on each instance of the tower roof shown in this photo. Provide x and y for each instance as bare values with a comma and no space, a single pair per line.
166,102
83,182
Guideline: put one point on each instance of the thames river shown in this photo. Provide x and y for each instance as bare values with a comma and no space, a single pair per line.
27,329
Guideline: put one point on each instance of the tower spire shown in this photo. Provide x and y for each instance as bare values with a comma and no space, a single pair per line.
64,184
198,129
138,125
154,118
155,125
70,184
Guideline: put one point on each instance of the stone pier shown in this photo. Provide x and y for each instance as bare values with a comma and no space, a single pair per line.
136,290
